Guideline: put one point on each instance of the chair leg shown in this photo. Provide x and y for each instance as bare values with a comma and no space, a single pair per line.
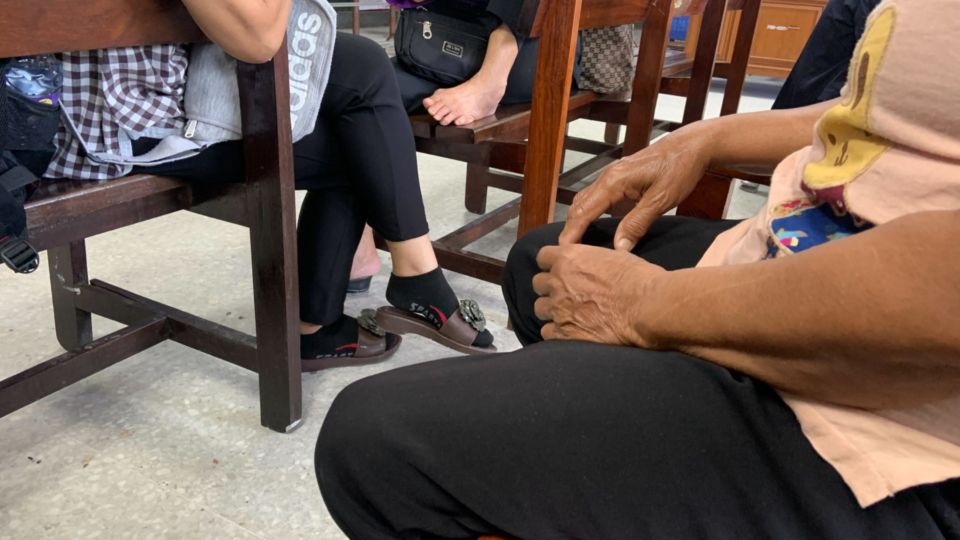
393,23
356,20
704,61
273,249
741,57
611,134
68,271
709,199
475,199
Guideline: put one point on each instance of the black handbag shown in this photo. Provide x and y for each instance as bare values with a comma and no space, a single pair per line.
443,44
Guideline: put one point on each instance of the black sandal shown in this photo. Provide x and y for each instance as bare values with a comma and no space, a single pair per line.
458,333
373,345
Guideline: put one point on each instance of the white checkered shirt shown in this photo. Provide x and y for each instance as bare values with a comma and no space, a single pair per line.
108,91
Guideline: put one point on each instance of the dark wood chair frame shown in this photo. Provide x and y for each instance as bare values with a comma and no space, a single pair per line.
62,215
497,149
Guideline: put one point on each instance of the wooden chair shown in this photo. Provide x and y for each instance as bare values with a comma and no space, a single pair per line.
497,148
681,76
355,14
61,215
691,77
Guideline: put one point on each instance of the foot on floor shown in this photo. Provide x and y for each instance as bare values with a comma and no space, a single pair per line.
426,305
347,342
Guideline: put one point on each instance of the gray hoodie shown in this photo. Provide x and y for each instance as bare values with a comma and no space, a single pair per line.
212,97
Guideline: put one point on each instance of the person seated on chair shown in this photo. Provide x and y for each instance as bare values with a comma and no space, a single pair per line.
158,109
821,70
794,375
506,76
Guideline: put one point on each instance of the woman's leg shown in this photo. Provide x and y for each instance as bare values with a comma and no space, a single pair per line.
366,262
673,242
362,120
579,440
328,232
524,72
413,89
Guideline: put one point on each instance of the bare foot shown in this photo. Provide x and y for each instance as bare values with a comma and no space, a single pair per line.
366,261
466,103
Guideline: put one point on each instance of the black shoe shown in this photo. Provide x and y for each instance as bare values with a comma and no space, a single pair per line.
359,285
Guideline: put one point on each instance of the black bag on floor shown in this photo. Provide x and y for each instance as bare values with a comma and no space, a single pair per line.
443,44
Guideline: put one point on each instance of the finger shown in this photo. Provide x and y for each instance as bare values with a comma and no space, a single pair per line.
548,257
549,331
543,284
587,206
638,221
543,308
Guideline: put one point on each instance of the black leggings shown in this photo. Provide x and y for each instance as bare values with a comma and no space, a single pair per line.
358,166
579,440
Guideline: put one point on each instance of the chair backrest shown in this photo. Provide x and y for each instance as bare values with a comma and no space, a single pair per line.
28,28
557,23
600,13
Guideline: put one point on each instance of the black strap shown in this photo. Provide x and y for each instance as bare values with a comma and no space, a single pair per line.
19,255
16,178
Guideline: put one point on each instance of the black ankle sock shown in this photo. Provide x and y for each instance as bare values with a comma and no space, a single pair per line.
332,341
429,296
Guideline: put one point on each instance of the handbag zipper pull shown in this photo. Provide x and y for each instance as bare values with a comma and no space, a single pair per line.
427,33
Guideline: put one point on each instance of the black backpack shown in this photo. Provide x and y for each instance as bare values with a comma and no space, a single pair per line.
26,146
15,251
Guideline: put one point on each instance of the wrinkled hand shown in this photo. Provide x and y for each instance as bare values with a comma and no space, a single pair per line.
657,179
595,294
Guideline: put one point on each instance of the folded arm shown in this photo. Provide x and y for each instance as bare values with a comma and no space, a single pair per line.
249,30
870,321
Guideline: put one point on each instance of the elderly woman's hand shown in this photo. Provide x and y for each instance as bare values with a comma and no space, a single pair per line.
596,294
654,179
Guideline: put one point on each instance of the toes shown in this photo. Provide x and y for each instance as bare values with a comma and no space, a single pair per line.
449,118
440,112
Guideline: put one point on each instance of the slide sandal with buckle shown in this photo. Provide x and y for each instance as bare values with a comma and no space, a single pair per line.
373,345
458,333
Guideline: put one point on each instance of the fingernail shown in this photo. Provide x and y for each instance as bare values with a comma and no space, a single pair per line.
625,245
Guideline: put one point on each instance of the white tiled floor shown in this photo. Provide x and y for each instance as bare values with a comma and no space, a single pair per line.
168,444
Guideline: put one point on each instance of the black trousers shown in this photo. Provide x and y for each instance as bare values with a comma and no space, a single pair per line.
358,166
579,440
821,69
415,89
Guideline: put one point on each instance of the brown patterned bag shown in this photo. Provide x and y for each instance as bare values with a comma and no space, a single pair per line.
607,59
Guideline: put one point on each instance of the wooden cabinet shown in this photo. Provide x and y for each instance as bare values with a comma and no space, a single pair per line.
783,28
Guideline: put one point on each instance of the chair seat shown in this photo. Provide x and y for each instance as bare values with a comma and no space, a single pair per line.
509,121
68,210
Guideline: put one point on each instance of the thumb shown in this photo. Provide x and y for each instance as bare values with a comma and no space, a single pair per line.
636,224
